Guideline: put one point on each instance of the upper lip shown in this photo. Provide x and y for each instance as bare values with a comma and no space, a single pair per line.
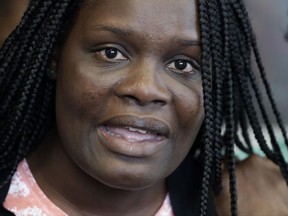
151,125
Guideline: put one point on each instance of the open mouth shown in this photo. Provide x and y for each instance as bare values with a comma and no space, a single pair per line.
133,134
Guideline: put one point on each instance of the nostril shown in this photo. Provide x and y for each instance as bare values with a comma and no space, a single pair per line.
160,102
134,100
131,98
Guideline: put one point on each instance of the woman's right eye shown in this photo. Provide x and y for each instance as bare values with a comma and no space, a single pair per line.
111,54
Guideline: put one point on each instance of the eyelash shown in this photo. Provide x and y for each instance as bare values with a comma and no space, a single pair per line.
189,67
103,53
193,67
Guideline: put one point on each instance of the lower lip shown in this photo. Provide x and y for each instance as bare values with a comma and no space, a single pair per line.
132,149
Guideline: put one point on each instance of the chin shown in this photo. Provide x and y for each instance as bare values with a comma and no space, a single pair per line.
129,180
131,185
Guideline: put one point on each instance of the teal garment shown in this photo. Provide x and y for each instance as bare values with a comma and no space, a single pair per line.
257,150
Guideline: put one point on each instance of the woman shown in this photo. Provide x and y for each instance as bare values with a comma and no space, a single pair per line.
141,90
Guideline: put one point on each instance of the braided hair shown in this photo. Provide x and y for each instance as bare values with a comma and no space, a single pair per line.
26,93
228,43
229,87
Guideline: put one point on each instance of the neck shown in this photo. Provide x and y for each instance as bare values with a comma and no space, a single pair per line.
75,192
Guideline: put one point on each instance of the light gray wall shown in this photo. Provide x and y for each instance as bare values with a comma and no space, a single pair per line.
270,22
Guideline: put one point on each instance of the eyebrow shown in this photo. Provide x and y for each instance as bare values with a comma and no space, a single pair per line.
186,42
124,32
118,31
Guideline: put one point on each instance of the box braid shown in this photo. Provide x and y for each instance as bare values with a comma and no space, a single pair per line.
26,93
217,53
227,42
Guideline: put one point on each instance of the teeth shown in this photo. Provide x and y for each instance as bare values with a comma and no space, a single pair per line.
142,131
137,130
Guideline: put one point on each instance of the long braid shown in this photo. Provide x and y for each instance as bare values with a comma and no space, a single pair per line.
233,56
248,35
229,143
246,96
241,121
230,98
232,112
218,76
208,105
278,155
20,47
244,125
27,88
240,5
28,84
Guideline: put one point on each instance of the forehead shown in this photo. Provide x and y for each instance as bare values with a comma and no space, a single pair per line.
150,17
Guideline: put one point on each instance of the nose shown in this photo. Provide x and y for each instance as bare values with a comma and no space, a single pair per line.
143,86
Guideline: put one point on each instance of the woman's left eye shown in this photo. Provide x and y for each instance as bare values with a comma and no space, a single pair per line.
112,54
183,66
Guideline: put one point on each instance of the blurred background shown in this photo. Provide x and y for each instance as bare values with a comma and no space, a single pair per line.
10,14
270,22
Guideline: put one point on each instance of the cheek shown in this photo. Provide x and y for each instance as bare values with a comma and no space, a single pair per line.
80,95
77,100
190,109
190,115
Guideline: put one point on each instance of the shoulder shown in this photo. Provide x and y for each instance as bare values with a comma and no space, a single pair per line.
260,186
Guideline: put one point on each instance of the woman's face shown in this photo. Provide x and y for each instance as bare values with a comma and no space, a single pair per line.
129,100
